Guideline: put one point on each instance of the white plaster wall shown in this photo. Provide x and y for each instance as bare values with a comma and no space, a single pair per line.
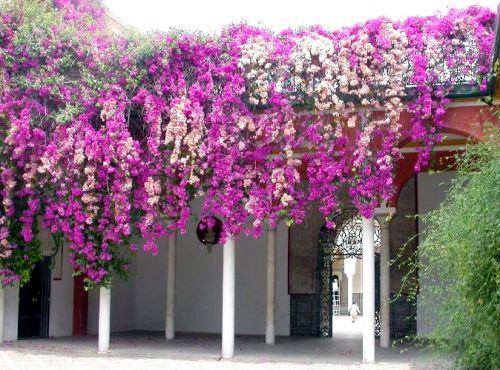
11,310
150,293
431,191
198,305
61,300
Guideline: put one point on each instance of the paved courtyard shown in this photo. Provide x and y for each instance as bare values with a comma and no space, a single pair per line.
149,350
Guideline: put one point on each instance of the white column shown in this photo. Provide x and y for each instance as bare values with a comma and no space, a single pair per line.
349,291
368,291
271,286
384,285
383,217
228,299
104,319
2,311
349,271
170,308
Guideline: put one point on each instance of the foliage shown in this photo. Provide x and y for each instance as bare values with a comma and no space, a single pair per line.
109,136
26,253
459,260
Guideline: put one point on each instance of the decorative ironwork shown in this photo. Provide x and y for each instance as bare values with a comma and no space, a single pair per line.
377,323
346,239
326,298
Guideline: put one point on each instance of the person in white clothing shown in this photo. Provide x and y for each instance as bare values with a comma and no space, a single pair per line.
354,312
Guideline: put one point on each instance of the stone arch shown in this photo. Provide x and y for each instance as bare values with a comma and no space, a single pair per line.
441,159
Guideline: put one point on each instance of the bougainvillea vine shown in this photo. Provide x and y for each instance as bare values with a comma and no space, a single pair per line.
108,136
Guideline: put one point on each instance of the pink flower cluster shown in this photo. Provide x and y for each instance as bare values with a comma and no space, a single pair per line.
109,137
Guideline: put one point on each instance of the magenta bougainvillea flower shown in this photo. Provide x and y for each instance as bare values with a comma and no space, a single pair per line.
106,138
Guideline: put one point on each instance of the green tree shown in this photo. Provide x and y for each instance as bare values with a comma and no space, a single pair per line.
459,260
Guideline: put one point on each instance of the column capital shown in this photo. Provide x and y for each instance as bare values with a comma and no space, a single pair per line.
384,215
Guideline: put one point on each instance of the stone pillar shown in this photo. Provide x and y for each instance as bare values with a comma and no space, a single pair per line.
170,308
349,271
2,311
104,319
383,215
368,291
228,272
349,291
271,286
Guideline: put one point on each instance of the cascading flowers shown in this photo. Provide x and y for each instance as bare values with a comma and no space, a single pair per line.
108,137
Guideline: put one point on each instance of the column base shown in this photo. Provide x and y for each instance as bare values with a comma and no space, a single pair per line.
270,341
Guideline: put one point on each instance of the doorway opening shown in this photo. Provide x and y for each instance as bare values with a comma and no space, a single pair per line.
340,254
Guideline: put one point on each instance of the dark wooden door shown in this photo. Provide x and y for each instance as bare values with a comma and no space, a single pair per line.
34,301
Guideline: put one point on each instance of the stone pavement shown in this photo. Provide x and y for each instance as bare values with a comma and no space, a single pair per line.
149,350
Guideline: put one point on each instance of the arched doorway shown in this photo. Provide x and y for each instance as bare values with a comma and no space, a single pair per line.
341,243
